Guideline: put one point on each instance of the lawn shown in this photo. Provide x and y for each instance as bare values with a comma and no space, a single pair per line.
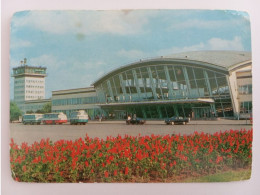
227,176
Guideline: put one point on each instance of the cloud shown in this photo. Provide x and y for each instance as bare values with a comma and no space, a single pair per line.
200,46
221,44
85,22
195,23
131,54
14,62
243,14
203,24
45,60
18,43
101,73
211,44
66,73
74,73
53,22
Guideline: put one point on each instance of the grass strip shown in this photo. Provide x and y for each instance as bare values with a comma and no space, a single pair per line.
232,175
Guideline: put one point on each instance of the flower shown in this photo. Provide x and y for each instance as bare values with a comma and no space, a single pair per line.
219,159
106,173
126,170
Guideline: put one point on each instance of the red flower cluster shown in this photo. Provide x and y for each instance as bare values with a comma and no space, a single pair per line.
122,158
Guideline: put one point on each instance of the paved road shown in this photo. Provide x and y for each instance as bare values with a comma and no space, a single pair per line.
31,133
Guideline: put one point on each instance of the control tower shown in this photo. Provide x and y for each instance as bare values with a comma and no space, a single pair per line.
29,83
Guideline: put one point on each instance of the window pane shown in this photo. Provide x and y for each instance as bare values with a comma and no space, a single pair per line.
203,90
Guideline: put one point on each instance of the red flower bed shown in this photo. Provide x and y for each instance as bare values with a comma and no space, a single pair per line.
126,159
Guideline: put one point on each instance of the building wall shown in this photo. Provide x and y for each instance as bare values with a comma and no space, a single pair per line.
241,88
19,90
244,84
26,89
34,88
67,101
234,94
35,105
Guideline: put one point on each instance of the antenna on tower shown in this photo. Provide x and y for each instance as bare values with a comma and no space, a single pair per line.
24,61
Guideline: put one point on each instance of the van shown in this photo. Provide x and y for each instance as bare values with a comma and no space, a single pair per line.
32,119
79,117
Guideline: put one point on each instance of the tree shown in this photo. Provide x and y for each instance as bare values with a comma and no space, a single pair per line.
46,108
39,112
15,111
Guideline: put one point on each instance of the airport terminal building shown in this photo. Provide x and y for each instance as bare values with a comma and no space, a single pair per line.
192,84
200,84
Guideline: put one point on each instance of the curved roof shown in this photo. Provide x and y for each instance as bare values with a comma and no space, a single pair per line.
220,60
225,59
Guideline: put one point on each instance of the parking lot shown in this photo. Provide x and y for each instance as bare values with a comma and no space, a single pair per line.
31,133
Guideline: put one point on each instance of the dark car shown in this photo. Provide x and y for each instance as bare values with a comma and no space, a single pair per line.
137,121
176,120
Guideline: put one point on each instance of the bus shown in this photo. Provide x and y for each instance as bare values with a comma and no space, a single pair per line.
54,118
32,119
79,117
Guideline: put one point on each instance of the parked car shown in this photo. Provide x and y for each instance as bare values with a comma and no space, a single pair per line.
176,120
136,121
78,117
32,119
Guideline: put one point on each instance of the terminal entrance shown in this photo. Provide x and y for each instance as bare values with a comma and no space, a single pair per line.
195,111
120,114
159,111
201,112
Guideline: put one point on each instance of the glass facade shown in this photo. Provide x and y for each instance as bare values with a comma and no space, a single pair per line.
162,82
74,101
66,105
29,69
245,89
246,107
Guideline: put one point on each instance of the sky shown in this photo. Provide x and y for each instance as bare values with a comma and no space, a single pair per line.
78,47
